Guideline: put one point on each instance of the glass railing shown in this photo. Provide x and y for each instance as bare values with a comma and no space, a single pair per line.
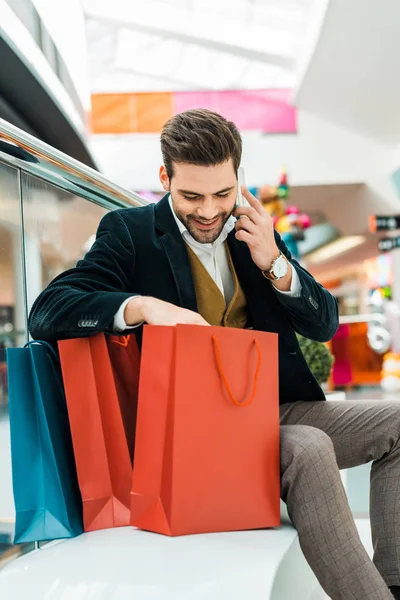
50,208
28,15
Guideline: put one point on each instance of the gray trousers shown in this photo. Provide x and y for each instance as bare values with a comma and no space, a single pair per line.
318,439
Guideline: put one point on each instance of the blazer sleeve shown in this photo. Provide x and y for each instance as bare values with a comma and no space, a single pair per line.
84,300
313,314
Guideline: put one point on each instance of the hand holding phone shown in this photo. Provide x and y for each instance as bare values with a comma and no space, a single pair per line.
255,227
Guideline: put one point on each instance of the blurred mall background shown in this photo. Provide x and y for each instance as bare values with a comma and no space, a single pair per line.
312,84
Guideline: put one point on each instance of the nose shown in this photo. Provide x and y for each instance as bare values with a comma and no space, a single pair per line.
208,210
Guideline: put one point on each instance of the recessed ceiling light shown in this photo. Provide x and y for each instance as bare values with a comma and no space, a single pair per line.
335,248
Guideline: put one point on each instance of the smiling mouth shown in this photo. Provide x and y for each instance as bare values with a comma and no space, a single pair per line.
206,226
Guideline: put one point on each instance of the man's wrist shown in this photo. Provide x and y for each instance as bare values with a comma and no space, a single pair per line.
284,284
270,260
135,310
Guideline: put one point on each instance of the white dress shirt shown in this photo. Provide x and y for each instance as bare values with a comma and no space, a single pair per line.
214,258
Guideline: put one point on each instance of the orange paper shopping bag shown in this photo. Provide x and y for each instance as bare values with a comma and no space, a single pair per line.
99,438
207,436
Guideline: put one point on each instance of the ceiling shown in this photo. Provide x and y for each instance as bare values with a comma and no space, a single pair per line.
352,78
345,207
159,45
346,262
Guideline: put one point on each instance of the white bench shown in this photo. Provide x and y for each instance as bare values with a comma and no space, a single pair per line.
127,564
122,564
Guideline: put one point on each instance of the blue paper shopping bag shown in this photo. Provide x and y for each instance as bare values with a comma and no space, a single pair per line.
46,493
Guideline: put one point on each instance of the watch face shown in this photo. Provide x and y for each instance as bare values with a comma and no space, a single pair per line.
280,267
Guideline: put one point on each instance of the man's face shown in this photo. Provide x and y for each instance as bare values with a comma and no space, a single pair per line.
203,197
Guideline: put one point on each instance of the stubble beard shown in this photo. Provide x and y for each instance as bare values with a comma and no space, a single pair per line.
204,237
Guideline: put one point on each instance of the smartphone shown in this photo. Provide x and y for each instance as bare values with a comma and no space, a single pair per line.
240,200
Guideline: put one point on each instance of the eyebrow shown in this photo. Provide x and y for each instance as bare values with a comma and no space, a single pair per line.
189,193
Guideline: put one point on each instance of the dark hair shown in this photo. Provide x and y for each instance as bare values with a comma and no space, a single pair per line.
200,137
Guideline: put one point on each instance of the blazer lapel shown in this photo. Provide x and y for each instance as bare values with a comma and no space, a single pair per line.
243,262
260,296
175,249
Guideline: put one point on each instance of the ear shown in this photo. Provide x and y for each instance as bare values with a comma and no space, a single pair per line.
164,179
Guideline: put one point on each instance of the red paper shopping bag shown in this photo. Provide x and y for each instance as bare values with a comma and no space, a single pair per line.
125,360
99,439
207,434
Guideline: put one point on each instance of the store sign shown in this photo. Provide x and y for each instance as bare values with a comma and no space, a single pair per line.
387,244
384,223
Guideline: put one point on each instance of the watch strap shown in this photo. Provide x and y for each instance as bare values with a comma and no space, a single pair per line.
270,275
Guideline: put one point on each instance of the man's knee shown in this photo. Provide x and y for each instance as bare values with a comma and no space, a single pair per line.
305,445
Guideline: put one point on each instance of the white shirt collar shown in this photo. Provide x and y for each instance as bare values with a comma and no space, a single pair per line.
228,227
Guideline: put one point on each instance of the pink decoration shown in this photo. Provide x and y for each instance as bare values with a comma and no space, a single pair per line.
342,372
305,221
292,210
266,110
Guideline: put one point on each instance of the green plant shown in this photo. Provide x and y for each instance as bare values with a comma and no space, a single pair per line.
318,357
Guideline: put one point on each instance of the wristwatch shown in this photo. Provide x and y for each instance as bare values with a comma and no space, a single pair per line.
279,268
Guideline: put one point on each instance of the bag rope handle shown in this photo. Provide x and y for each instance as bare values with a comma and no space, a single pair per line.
124,341
223,376
47,345
54,363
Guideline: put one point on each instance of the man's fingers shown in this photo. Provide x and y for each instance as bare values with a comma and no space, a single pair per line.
244,236
246,224
249,212
201,322
197,319
252,200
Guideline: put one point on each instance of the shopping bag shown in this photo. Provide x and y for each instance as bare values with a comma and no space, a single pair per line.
207,435
46,494
125,361
100,445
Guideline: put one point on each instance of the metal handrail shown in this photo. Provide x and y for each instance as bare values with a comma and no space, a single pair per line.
64,170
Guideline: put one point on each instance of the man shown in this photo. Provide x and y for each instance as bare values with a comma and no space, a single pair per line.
197,258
